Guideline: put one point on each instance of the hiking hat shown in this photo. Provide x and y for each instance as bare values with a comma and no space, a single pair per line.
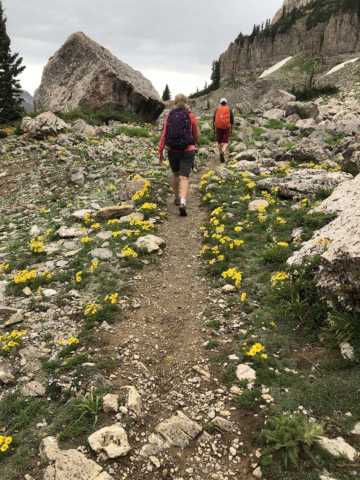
223,100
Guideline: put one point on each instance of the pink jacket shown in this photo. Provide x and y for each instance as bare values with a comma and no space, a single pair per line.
195,131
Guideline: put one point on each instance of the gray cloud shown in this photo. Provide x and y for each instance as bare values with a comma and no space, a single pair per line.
182,36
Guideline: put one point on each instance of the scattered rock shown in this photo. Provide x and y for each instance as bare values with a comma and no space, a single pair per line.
356,429
70,232
347,351
337,447
245,372
150,243
303,109
116,211
111,403
223,424
43,125
113,441
33,389
6,372
133,402
102,253
179,430
66,464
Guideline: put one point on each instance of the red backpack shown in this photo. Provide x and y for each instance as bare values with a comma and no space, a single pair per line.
223,118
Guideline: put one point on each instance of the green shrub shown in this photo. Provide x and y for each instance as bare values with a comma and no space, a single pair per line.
290,436
305,94
297,300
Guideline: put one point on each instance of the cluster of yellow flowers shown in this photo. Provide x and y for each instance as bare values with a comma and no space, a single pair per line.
71,341
112,298
113,221
37,245
278,278
11,340
143,193
234,275
28,276
86,240
4,267
283,244
128,252
147,207
94,265
95,226
256,349
87,218
5,442
91,309
144,225
205,179
281,221
24,276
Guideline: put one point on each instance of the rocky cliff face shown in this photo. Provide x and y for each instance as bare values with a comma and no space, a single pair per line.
299,32
289,6
83,74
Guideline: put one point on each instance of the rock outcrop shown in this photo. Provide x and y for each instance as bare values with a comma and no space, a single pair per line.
338,245
43,125
83,74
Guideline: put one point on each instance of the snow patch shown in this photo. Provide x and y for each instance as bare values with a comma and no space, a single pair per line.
341,66
275,67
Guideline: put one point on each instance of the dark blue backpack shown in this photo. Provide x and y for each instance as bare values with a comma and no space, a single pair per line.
179,130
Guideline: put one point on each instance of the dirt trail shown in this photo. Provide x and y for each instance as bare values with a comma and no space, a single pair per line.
172,297
160,347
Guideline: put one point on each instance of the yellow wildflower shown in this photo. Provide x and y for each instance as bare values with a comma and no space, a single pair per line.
96,226
78,277
85,240
112,298
279,277
24,276
243,297
283,244
234,275
94,265
128,252
91,309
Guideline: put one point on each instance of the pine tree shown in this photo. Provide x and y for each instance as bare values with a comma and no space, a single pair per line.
10,68
166,95
216,75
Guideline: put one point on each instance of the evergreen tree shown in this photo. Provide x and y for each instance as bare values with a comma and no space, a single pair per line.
215,75
166,95
10,68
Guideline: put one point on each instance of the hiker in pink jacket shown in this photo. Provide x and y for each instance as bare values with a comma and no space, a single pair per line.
180,136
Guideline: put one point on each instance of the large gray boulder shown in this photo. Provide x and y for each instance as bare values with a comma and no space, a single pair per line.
83,74
303,109
338,245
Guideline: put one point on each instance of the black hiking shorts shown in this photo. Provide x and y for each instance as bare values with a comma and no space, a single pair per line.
181,163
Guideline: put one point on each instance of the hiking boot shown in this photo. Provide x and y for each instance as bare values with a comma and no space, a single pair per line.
177,201
182,210
222,158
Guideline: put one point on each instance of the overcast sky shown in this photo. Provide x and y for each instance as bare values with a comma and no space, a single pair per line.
170,41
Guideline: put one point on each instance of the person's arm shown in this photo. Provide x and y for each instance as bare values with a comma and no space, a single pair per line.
214,119
162,141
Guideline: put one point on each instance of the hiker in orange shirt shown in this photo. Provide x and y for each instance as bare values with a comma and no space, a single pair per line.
223,123
180,136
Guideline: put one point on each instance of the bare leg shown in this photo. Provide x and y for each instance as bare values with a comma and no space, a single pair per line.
184,188
175,181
